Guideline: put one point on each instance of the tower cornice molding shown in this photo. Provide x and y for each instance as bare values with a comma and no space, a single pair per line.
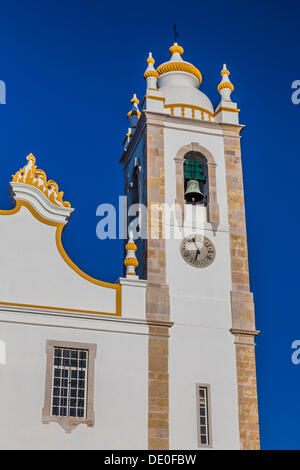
164,120
161,118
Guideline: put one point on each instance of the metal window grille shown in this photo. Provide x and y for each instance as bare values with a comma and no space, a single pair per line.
69,386
203,421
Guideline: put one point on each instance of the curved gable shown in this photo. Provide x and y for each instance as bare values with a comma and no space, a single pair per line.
35,270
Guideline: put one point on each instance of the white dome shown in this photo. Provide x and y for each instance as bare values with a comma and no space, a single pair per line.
181,88
178,82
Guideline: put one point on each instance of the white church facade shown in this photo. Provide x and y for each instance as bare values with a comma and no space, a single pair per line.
165,357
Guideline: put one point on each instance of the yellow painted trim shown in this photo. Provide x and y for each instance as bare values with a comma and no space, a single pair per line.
223,108
131,262
133,113
30,174
189,106
158,98
150,59
179,67
176,48
11,211
224,85
11,304
150,97
131,246
150,73
134,100
59,229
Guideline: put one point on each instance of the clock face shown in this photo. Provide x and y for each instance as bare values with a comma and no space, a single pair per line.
197,251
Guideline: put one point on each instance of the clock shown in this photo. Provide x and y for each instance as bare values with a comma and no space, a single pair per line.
198,251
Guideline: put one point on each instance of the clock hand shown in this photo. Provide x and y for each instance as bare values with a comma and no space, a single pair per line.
197,253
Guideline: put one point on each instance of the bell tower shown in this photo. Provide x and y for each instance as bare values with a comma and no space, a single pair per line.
183,173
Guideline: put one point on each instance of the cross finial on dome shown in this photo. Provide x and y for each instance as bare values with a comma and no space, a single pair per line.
176,34
225,88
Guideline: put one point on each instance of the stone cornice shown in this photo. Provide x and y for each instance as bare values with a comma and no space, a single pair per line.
164,120
45,317
238,332
38,200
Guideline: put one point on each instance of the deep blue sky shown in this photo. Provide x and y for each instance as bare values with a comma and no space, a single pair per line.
71,67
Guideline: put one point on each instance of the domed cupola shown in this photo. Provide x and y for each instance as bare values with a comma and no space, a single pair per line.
173,89
179,82
191,76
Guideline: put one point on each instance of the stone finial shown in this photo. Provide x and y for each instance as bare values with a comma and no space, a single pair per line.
131,261
225,88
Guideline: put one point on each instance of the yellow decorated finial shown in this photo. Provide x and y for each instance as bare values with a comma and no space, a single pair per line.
31,175
134,113
225,71
151,72
131,261
176,48
225,87
134,99
150,59
177,64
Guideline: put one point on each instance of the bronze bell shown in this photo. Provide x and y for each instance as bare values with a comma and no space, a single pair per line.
193,193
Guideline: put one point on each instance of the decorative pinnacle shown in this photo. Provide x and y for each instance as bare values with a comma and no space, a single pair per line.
134,110
33,176
225,71
134,99
131,261
150,59
176,48
150,70
225,87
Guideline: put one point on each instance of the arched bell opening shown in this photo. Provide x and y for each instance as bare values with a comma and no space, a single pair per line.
196,183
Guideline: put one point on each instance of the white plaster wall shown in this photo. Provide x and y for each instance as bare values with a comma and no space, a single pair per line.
202,355
121,383
212,282
134,299
202,348
33,272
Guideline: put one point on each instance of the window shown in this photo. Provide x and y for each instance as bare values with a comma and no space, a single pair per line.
203,415
195,179
69,384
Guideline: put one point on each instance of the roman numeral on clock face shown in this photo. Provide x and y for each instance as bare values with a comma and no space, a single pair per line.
197,251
